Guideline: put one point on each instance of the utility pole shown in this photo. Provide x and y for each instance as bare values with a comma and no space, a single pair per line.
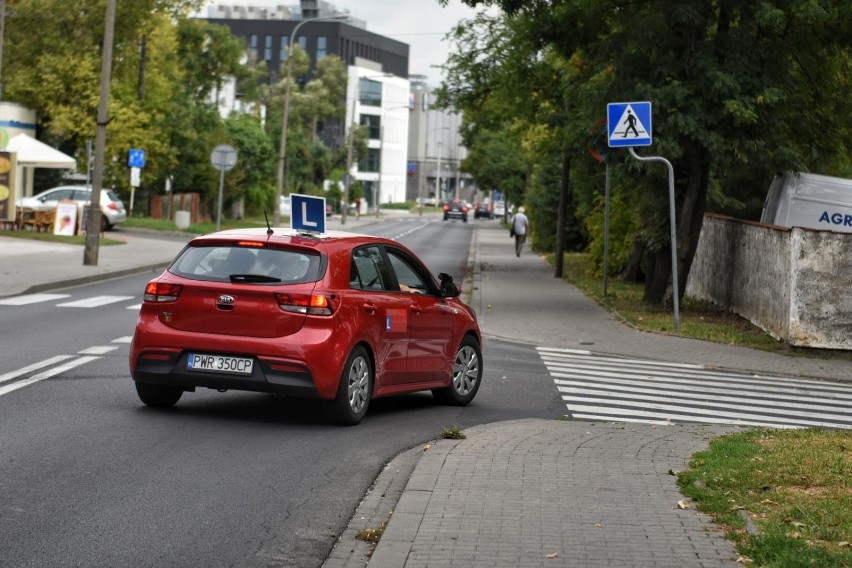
93,229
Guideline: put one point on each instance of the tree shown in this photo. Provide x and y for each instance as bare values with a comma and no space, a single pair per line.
741,90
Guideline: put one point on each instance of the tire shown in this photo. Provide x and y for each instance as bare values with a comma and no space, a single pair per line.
354,391
158,396
467,375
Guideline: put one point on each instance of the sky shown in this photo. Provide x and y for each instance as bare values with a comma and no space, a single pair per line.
422,24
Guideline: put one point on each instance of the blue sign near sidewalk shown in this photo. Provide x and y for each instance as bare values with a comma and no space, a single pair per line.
628,124
307,213
136,158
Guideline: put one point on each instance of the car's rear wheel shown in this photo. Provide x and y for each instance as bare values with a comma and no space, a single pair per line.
467,375
160,396
355,389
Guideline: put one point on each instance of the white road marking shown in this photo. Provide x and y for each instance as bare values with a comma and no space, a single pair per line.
46,375
599,387
95,301
125,339
98,350
34,367
31,299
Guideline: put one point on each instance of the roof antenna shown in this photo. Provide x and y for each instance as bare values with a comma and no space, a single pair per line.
268,228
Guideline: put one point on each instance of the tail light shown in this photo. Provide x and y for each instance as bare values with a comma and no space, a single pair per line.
446,207
161,292
112,206
310,304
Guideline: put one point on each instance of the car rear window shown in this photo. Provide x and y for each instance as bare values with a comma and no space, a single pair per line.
226,263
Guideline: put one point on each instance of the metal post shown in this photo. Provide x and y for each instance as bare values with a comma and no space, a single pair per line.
282,148
675,292
93,229
439,192
421,178
221,191
381,163
606,230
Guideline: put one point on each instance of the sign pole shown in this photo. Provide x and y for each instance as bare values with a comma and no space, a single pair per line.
672,229
224,158
629,125
606,229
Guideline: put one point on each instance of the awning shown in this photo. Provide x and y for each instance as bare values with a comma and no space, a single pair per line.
35,154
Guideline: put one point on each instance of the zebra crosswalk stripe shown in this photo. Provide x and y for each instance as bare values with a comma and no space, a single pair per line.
597,387
95,301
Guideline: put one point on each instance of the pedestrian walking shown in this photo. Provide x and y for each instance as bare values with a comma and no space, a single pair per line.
520,227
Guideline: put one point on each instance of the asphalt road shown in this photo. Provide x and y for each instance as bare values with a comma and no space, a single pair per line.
90,477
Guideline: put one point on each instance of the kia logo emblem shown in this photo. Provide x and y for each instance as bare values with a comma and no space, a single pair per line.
225,299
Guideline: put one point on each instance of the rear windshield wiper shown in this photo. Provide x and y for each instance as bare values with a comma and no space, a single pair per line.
250,278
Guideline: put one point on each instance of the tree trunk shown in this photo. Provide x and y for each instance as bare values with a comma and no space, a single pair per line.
690,219
562,214
633,271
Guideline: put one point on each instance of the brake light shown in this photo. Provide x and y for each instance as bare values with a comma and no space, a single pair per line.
112,206
161,292
446,207
310,304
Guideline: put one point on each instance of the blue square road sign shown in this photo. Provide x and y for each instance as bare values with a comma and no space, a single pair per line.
136,158
307,213
628,124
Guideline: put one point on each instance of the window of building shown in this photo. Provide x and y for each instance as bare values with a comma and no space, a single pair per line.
374,123
267,48
322,47
371,162
253,47
371,93
282,50
303,43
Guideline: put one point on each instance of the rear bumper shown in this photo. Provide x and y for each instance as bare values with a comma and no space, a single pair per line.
306,364
168,367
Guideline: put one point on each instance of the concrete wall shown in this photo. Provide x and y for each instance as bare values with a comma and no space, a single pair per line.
793,283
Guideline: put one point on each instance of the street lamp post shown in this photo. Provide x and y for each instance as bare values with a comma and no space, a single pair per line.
438,189
282,149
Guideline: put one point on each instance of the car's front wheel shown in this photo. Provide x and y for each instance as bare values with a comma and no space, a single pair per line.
159,396
355,389
467,375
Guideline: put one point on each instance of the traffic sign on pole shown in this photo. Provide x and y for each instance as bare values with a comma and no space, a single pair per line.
136,158
628,124
223,158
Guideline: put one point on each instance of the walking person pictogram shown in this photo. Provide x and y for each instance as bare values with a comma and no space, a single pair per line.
631,124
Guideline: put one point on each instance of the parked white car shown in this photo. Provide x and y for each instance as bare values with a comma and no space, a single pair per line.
111,206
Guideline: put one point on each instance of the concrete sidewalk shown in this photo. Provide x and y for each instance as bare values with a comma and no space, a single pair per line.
553,493
516,493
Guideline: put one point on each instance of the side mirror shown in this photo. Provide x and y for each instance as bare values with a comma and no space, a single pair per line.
448,288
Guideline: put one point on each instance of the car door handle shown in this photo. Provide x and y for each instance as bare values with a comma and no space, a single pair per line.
415,309
370,308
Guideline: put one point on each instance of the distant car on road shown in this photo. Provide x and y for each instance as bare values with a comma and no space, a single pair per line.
455,209
111,206
341,317
483,211
500,209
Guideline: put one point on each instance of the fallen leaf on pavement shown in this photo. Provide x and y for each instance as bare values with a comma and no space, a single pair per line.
683,504
426,447
553,555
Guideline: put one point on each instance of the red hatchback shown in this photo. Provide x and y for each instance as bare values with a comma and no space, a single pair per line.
341,317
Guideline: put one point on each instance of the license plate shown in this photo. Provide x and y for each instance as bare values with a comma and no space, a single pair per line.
219,364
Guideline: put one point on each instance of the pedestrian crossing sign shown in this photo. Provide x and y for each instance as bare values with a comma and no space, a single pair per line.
629,124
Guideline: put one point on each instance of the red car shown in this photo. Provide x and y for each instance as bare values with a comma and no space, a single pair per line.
341,317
